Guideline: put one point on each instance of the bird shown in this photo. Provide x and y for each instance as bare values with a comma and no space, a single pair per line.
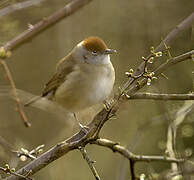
83,78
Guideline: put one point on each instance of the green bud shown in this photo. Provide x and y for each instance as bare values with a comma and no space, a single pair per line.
6,166
23,158
151,60
154,78
142,177
152,48
2,52
12,170
159,54
128,74
130,70
24,150
149,82
40,151
143,58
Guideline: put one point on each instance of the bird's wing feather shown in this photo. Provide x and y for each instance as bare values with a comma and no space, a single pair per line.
64,68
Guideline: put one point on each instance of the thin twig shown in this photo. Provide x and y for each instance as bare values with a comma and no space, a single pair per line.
18,6
90,162
80,138
163,67
170,145
172,131
186,23
132,169
115,147
35,29
158,96
7,170
14,91
23,154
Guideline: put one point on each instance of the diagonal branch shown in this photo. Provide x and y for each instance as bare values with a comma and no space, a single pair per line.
77,140
90,163
186,23
35,29
163,67
177,30
81,138
17,100
18,6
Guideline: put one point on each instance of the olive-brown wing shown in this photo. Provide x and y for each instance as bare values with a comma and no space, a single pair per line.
63,70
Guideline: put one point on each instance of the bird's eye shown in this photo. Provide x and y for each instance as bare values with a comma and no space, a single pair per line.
94,53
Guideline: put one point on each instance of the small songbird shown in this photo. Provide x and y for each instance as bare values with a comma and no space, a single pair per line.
83,78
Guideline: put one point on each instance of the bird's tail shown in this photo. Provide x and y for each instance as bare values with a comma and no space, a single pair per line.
31,101
28,99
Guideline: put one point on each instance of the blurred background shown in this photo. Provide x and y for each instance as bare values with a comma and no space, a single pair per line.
130,27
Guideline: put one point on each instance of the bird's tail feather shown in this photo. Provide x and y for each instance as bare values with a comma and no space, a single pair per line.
36,98
28,99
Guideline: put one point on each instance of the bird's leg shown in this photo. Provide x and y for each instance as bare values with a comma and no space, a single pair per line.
82,127
107,104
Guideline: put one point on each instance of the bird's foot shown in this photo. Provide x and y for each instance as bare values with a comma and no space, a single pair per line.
107,104
83,128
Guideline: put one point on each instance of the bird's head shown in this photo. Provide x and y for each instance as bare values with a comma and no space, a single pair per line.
92,50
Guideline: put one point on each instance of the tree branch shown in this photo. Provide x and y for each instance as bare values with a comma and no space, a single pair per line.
163,67
77,140
33,30
132,169
186,23
177,30
17,100
18,6
165,97
81,138
26,35
172,132
115,147
7,170
90,163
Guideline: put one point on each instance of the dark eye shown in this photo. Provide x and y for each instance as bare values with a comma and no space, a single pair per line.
94,53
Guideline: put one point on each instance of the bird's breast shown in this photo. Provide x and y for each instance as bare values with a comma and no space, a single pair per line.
86,86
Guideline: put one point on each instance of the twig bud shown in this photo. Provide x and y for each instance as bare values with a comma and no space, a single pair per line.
159,54
130,73
151,60
23,158
2,52
149,80
142,177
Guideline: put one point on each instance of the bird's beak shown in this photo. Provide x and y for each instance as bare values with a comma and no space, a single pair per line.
109,51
